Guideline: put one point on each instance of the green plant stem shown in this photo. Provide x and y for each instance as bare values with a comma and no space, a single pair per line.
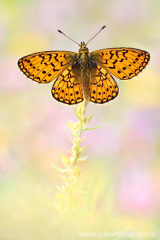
72,192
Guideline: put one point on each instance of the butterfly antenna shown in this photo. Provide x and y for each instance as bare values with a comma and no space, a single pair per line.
67,36
95,35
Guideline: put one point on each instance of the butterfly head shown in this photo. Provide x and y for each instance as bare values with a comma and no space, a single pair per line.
83,47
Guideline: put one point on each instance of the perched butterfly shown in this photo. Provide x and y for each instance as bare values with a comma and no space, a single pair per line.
83,75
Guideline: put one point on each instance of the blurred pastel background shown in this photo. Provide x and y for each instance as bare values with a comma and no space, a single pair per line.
122,173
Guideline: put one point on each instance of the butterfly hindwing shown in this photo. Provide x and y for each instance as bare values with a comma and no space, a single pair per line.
123,63
103,87
67,89
43,67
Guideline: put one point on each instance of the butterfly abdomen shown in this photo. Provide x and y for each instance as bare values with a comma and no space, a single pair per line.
84,65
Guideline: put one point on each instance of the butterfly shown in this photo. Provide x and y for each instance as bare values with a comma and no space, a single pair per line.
83,75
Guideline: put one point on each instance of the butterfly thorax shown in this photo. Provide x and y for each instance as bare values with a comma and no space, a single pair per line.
83,60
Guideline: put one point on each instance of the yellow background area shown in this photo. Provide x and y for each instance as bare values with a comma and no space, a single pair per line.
122,173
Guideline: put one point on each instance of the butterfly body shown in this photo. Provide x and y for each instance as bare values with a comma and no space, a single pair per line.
83,75
84,63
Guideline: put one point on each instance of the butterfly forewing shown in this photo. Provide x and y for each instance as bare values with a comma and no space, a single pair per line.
67,88
103,87
123,63
43,67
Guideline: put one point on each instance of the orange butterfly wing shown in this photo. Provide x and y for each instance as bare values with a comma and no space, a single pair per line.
123,63
103,87
43,67
66,88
